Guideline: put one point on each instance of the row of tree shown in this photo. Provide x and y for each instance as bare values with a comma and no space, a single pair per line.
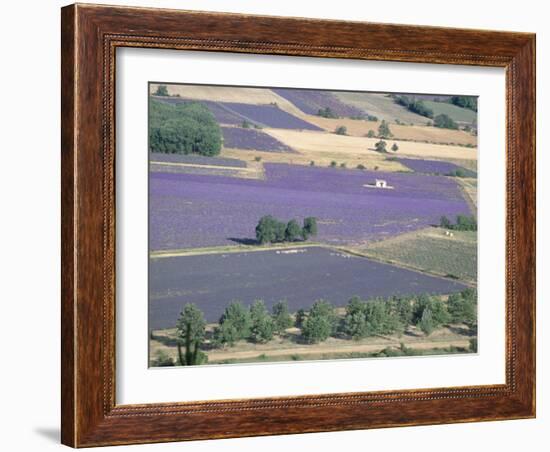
463,223
272,230
362,318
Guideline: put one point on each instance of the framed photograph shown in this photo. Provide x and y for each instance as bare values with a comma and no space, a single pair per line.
281,225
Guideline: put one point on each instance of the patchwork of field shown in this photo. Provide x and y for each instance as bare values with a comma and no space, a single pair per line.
431,250
382,106
360,128
299,276
457,114
341,147
246,95
189,210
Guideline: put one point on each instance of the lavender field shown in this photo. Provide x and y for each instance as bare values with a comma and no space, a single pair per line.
240,138
189,210
213,281
311,101
437,167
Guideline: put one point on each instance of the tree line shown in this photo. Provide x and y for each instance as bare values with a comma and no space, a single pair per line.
272,230
362,319
463,223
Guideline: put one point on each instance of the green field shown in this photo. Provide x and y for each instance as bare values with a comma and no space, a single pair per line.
381,106
432,251
455,113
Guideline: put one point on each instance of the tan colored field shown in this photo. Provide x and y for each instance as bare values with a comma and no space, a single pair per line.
360,128
369,159
230,94
348,148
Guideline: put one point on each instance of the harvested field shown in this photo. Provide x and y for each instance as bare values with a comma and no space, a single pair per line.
190,211
423,133
341,147
381,106
432,251
213,281
237,94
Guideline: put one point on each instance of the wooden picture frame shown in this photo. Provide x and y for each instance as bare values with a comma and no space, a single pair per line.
90,37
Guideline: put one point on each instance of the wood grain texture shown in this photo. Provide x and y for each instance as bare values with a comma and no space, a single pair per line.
90,36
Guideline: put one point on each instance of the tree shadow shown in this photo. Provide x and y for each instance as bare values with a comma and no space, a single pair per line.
462,330
243,241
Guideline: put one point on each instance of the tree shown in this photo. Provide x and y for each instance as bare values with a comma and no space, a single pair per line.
333,164
426,323
300,317
380,146
394,147
320,322
246,125
266,229
190,329
281,316
445,122
262,325
384,130
310,227
361,166
327,113
235,324
293,231
368,318
371,134
469,102
462,307
161,91
444,222
341,130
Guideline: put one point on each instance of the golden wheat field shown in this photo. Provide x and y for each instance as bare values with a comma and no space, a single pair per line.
360,128
315,144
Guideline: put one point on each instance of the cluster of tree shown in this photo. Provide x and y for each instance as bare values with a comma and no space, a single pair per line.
381,146
327,112
341,130
469,102
254,324
186,128
444,121
387,316
395,314
414,105
463,223
271,230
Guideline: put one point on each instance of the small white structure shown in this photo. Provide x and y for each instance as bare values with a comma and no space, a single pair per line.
379,183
